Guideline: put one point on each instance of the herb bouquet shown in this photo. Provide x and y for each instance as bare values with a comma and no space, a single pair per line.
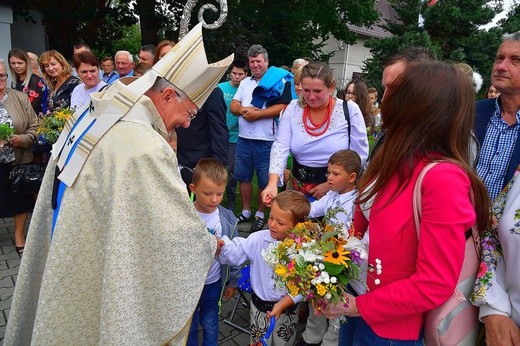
6,132
317,261
52,124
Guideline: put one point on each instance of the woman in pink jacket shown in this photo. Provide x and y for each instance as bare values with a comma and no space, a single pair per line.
428,115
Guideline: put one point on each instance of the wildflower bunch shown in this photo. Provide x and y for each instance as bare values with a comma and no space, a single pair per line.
317,260
6,131
52,124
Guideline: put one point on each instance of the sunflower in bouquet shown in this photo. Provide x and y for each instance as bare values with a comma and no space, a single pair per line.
52,124
317,260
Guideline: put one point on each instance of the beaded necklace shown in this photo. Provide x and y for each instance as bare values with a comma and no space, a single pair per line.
314,129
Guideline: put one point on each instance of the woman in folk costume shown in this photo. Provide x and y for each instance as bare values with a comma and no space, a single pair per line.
118,254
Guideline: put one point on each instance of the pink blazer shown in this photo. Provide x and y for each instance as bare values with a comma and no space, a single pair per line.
416,276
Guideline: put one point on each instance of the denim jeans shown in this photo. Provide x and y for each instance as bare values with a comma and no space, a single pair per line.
206,314
253,155
364,335
347,331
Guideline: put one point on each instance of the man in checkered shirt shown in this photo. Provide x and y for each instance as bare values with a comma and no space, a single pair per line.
497,120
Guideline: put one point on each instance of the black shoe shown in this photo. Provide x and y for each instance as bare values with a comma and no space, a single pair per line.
258,224
241,218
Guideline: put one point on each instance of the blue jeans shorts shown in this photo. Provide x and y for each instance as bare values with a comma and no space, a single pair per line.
253,155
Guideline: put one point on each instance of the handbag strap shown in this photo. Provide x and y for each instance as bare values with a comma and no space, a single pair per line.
347,118
417,205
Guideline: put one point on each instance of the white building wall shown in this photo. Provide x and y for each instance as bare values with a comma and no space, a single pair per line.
29,36
347,59
6,19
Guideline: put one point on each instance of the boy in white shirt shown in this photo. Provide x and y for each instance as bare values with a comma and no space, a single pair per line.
343,170
288,208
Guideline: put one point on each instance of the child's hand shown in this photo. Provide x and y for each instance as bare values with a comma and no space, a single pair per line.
276,311
319,190
220,245
229,292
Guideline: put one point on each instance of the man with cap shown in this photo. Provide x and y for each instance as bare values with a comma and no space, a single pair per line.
116,253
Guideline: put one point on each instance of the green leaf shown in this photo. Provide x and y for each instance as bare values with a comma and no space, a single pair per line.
6,132
333,269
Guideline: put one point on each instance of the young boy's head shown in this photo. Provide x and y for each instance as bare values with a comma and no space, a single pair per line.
208,184
287,209
343,170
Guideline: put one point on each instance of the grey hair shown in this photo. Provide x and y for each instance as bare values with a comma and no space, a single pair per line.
298,61
161,84
257,49
127,53
513,37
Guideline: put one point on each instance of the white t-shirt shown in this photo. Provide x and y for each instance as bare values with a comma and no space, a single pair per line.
81,96
212,221
263,129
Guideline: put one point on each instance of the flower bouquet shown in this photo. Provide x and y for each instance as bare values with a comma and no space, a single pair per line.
317,260
52,124
6,131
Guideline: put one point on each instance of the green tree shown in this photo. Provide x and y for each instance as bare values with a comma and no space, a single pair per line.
95,22
287,29
131,40
511,23
452,30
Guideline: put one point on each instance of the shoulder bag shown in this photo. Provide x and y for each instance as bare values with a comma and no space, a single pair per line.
455,322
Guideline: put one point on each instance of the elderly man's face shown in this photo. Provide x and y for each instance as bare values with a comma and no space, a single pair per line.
505,75
175,108
123,65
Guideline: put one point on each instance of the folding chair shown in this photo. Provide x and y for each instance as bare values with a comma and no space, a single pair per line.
244,286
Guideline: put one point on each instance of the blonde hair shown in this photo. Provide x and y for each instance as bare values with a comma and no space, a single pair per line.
294,202
22,55
211,169
45,58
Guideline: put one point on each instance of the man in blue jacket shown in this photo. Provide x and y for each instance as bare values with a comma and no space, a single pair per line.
497,120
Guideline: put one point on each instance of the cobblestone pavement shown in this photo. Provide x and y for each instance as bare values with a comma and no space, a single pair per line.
10,262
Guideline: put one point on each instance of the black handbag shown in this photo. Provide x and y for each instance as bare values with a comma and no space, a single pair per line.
26,179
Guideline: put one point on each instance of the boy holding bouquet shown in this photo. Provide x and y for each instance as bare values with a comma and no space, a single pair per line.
338,204
268,299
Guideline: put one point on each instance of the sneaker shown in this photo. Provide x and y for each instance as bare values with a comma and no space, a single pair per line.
258,224
241,218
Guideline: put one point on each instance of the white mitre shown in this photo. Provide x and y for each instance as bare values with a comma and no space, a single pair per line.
185,66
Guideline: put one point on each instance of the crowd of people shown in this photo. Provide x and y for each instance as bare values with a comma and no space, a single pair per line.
117,252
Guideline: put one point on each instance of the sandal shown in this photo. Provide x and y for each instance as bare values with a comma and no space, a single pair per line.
20,249
258,224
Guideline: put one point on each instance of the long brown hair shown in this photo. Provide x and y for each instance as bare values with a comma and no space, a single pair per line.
428,111
22,55
362,100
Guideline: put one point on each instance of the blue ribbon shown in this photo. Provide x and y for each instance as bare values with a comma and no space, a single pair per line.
61,185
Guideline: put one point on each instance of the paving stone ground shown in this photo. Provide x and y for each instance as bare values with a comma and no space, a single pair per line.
10,262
